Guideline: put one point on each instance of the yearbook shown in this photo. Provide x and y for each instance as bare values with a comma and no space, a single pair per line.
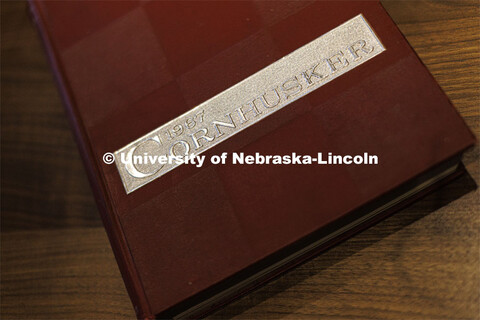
227,142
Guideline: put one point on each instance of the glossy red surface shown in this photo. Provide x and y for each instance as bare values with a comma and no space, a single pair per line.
128,67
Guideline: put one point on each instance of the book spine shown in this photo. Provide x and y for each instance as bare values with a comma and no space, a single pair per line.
110,221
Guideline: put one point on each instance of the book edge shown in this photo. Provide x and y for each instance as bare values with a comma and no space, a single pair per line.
111,223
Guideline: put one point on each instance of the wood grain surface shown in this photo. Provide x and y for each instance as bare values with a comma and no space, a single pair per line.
56,262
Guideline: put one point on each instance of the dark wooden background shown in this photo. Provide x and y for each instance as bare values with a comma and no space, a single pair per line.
56,263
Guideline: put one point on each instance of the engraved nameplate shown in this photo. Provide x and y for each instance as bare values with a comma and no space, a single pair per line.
249,101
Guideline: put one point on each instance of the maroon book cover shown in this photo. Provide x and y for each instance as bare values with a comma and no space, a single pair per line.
126,68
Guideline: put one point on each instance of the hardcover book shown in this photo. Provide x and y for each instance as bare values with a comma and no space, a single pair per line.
268,84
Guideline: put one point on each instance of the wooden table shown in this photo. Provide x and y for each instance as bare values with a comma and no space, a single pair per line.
422,263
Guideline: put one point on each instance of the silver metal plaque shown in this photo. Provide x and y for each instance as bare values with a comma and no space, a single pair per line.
249,101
